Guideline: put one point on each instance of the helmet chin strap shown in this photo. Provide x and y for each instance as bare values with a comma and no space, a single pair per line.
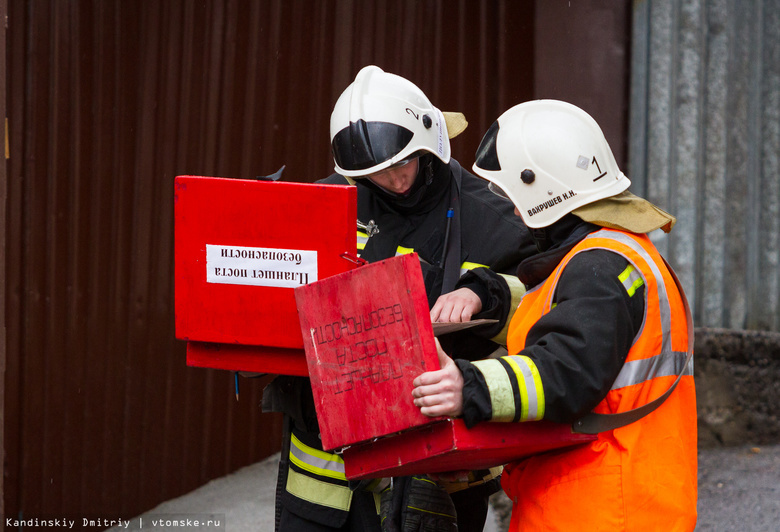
427,169
541,238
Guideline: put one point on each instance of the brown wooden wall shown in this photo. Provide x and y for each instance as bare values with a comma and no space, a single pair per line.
108,100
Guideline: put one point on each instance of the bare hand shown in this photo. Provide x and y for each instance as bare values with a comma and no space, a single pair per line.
456,307
440,393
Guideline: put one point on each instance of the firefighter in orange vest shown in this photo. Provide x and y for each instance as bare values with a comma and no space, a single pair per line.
603,329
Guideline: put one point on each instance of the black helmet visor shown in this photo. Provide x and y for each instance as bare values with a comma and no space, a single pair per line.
487,156
364,144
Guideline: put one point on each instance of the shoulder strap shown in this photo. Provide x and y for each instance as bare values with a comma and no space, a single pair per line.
452,252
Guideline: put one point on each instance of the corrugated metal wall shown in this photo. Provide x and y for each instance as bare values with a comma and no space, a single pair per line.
109,100
705,144
3,197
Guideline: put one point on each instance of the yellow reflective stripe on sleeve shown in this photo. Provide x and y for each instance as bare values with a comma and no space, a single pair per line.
362,240
631,280
316,461
466,266
517,291
403,251
522,388
502,398
530,384
318,492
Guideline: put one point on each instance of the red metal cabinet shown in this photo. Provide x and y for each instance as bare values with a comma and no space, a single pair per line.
241,247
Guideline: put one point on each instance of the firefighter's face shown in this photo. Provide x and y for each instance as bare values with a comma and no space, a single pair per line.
399,178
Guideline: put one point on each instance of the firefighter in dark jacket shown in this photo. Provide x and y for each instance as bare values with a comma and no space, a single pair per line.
603,337
389,140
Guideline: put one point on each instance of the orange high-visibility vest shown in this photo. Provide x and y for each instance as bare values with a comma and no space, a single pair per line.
642,476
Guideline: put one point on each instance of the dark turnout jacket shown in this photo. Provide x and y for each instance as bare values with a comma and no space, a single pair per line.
483,232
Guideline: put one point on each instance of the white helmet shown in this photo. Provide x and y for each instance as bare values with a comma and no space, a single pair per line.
382,119
549,157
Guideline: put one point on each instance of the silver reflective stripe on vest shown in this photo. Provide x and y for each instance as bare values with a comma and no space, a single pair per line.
663,298
663,365
667,362
594,423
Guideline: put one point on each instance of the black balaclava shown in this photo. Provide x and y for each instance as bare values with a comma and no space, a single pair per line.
553,243
430,185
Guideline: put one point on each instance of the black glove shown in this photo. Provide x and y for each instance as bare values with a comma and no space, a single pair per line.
417,504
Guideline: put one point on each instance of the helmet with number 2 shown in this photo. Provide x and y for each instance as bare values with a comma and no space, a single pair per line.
549,157
382,119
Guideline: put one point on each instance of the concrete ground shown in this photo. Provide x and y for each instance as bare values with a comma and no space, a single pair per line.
739,489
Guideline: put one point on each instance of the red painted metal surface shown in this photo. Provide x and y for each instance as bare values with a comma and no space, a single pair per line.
252,358
447,445
241,247
367,335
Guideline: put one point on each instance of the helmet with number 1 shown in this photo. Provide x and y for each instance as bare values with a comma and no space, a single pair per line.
549,157
382,119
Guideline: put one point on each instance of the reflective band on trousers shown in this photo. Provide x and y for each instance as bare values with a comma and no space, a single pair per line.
317,491
316,461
